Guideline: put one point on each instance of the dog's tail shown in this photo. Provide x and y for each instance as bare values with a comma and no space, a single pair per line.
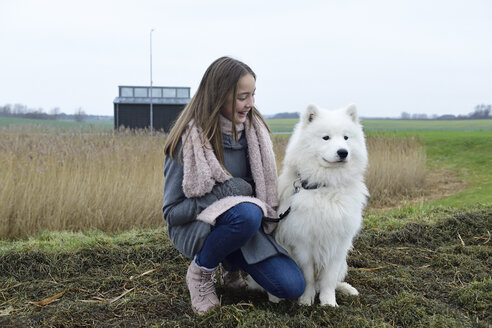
346,288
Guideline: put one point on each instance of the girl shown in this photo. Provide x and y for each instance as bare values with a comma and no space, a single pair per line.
220,180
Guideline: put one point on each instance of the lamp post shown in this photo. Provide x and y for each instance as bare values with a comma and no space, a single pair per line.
151,112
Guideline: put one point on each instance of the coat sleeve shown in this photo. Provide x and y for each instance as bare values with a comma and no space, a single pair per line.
178,209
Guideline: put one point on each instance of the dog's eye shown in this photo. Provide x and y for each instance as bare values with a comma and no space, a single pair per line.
345,137
326,138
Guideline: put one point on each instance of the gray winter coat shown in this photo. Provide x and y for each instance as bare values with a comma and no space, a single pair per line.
189,234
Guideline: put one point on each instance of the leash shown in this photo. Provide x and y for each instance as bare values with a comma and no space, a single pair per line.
280,217
298,184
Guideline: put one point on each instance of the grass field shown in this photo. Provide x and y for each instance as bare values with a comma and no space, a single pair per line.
278,125
419,275
469,153
413,125
59,125
465,160
426,263
286,125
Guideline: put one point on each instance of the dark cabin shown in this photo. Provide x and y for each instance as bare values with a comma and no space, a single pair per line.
132,106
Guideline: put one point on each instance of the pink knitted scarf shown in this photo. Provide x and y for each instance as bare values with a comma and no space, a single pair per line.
202,170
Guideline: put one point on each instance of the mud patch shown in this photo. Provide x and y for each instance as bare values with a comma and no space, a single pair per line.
439,183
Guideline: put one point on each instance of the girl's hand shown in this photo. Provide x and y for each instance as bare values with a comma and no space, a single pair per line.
233,187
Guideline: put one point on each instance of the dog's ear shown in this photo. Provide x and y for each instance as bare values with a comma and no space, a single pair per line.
351,111
310,114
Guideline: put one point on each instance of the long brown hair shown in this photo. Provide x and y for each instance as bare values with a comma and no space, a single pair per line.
204,108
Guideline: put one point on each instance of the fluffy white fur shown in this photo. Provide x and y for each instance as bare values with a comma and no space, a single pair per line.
319,230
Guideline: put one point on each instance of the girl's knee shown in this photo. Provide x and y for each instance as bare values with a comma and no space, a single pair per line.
250,216
295,289
290,290
293,283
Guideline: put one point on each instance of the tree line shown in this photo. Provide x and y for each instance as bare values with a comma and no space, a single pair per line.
480,112
22,111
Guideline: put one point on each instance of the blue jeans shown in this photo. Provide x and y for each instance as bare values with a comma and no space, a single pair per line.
279,275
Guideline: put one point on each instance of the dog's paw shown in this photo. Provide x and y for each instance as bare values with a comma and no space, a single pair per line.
306,301
273,299
347,289
327,297
328,303
307,298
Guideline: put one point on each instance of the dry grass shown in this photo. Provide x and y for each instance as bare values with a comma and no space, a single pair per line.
397,169
53,180
58,181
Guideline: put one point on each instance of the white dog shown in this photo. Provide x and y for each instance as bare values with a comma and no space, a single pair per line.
322,182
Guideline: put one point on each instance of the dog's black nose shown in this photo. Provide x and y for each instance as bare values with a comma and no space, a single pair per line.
342,153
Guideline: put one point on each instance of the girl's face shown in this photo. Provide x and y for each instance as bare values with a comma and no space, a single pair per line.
245,99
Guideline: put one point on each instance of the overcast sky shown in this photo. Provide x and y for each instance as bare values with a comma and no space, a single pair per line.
386,56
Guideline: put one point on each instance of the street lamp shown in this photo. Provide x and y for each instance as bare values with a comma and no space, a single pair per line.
151,112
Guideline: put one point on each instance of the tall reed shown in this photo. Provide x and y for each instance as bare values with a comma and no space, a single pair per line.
397,169
73,181
65,180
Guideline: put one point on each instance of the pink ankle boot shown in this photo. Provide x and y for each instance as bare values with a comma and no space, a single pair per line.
201,286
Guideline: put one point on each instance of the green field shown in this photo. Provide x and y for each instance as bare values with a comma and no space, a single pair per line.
425,264
414,125
467,154
277,125
86,125
286,125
